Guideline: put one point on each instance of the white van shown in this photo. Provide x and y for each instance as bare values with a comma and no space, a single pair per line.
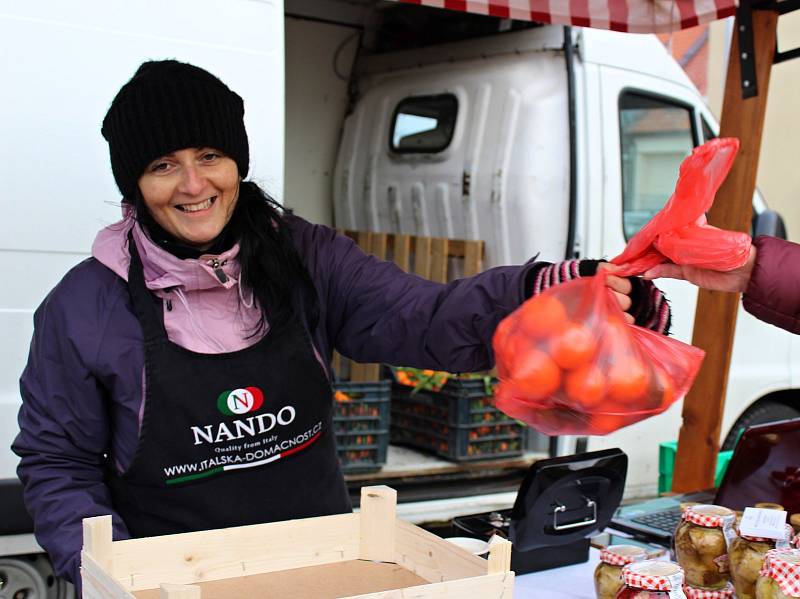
504,133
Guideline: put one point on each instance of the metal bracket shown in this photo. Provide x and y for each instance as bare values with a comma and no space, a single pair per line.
747,60
586,522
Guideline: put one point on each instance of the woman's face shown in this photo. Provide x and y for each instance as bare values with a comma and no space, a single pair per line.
191,193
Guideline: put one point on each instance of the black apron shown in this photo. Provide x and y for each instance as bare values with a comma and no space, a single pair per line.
228,439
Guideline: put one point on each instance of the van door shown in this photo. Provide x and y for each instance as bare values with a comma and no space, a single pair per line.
649,126
472,150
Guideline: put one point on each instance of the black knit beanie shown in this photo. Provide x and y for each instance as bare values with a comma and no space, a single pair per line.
166,106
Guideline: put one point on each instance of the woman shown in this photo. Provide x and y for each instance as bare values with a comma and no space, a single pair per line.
178,378
768,280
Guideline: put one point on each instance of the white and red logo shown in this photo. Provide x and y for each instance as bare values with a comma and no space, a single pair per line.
240,401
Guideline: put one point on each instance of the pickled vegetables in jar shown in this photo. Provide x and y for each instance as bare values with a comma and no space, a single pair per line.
608,574
652,579
780,575
701,545
746,556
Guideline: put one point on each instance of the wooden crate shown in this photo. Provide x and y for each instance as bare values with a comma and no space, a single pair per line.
368,555
433,258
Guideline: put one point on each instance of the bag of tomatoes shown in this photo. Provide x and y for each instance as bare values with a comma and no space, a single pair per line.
568,363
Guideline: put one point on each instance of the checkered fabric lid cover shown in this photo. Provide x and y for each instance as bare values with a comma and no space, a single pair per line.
783,566
796,541
622,555
653,575
782,542
711,516
695,593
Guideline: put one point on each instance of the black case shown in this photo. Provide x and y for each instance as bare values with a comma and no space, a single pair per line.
561,503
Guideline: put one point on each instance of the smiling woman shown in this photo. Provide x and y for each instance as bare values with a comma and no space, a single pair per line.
191,194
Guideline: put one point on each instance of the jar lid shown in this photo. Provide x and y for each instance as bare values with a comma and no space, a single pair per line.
783,566
622,555
653,575
712,516
767,505
695,593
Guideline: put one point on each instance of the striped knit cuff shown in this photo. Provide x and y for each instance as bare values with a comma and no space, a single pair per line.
547,275
649,306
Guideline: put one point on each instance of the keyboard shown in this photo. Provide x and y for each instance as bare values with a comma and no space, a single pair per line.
666,520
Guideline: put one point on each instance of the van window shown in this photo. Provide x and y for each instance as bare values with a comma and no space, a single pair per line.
423,124
655,136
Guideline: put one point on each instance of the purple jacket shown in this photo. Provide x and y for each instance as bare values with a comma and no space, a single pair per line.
773,294
83,385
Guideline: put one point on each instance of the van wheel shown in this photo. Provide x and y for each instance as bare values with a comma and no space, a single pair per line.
31,577
759,413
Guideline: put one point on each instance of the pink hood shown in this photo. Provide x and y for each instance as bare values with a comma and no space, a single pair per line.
201,313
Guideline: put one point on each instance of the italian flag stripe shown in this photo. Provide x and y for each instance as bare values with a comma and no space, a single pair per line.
188,477
219,469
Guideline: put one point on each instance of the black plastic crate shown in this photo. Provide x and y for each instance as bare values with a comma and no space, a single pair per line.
459,443
361,424
459,402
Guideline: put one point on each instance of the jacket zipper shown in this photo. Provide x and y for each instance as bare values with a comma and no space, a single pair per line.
217,266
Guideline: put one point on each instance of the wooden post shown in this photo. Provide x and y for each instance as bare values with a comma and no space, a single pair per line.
97,538
715,318
378,515
499,555
179,591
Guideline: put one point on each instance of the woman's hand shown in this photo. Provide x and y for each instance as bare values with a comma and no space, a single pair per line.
735,281
620,286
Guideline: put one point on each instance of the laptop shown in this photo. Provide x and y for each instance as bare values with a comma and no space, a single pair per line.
765,467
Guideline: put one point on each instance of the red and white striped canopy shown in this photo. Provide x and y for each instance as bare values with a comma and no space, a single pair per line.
633,16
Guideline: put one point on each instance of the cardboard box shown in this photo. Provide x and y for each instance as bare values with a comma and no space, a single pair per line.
368,555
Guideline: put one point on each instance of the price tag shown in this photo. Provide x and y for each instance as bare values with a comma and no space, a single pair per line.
769,524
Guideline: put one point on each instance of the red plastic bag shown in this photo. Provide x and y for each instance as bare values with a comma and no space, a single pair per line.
679,232
568,363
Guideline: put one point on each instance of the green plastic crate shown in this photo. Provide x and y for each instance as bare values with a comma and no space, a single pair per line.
666,465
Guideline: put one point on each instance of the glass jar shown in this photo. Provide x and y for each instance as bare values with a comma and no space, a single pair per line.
701,545
746,556
794,520
780,576
767,505
608,574
695,593
652,579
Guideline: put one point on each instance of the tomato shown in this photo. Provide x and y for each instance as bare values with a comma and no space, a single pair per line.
628,380
587,385
542,316
602,424
574,346
535,374
666,386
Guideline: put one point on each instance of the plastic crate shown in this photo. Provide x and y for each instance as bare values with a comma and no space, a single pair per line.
459,403
666,465
459,422
361,424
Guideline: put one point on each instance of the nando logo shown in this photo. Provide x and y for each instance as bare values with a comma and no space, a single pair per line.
240,401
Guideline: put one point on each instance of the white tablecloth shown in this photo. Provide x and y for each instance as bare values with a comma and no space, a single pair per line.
569,582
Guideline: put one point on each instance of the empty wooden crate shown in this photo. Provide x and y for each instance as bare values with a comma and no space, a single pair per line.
367,555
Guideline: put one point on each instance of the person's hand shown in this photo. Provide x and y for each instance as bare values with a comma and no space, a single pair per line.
735,281
620,286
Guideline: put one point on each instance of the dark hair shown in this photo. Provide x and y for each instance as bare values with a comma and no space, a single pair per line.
270,264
